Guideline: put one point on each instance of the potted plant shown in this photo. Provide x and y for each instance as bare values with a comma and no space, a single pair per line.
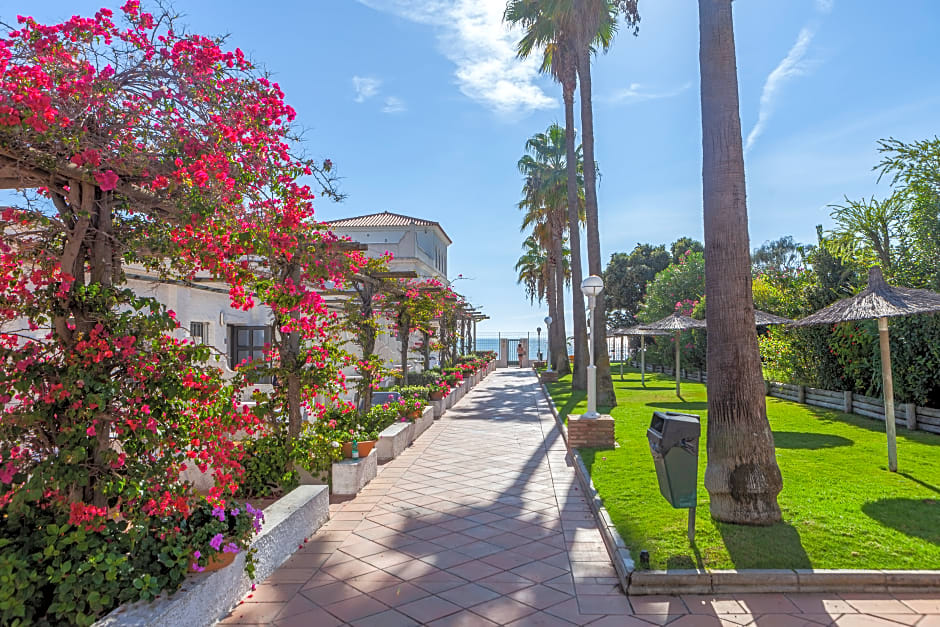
216,533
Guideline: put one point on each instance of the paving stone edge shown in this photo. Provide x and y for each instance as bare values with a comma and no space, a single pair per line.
645,582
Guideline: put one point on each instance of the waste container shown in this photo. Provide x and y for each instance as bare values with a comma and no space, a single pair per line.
380,398
673,439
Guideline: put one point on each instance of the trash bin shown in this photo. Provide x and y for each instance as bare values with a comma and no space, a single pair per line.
673,441
380,398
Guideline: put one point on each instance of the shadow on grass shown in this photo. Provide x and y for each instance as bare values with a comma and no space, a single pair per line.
913,517
809,441
692,406
835,417
923,483
648,388
776,546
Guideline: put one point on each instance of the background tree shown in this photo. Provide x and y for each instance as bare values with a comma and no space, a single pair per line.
781,254
742,476
626,278
685,245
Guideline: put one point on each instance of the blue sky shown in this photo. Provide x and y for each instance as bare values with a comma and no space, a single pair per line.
424,111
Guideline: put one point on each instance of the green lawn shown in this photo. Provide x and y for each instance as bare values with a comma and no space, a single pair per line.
841,507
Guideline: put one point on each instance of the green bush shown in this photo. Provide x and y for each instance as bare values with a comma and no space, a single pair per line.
266,464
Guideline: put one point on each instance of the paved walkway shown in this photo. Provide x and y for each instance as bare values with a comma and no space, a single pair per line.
482,522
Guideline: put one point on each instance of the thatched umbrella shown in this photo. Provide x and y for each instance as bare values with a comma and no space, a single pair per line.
676,323
642,334
763,319
882,301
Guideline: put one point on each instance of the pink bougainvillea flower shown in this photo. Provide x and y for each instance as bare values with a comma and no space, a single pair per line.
107,180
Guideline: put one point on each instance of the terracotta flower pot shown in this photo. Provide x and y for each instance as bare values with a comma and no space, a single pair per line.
415,414
217,561
437,395
364,448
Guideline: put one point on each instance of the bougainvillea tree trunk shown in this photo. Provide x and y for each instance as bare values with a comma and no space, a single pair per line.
742,476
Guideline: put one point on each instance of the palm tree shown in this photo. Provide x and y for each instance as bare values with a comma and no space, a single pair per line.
543,31
592,24
545,200
533,269
742,476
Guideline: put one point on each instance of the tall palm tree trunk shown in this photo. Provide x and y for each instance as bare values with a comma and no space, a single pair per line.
742,476
559,339
579,376
605,384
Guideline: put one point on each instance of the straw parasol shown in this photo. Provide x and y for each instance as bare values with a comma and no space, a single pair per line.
879,301
763,319
676,323
642,333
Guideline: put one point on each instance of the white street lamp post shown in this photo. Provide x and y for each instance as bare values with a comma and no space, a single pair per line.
591,287
548,341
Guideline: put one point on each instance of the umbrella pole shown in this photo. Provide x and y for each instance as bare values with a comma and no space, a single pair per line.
678,338
885,342
643,360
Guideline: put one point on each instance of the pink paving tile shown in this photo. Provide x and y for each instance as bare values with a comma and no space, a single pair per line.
655,604
310,561
901,619
604,604
317,616
464,618
355,608
255,613
297,605
507,560
766,603
388,618
696,620
412,569
923,603
659,619
350,569
272,593
480,548
538,571
447,559
429,608
863,620
582,570
503,610
373,581
387,558
290,575
876,604
399,594
620,621
568,610
319,579
705,604
468,595
359,547
474,570
539,596
331,593
821,604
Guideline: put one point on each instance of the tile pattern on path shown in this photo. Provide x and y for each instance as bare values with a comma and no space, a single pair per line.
482,522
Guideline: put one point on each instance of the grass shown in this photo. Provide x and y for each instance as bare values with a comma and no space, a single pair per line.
841,507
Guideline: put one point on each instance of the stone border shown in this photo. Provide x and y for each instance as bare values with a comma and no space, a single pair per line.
350,476
642,582
208,597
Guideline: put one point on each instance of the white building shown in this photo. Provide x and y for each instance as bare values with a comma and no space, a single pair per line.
416,244
204,312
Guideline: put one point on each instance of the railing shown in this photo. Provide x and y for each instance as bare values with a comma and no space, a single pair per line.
917,418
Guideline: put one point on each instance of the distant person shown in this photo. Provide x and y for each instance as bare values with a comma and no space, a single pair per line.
520,350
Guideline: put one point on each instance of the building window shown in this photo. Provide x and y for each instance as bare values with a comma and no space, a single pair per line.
199,332
247,343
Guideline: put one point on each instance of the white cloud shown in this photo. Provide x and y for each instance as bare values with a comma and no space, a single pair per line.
393,105
792,65
640,93
472,35
365,87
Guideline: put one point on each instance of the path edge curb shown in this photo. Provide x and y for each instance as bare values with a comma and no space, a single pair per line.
692,581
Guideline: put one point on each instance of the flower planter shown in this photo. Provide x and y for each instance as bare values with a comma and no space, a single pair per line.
207,597
393,440
364,448
217,561
427,418
351,475
439,407
437,395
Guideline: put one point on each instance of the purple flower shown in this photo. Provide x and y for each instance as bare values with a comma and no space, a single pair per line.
231,547
236,512
197,554
219,513
196,567
216,541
